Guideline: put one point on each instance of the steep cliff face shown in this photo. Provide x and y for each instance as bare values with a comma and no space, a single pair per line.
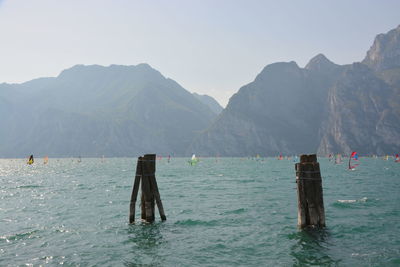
385,52
280,112
360,114
324,108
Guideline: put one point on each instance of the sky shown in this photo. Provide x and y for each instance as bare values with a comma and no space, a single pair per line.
211,47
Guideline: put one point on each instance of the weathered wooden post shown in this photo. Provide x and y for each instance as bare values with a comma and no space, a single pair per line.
135,190
154,189
145,172
310,200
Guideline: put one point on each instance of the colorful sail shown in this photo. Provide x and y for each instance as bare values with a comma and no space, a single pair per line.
31,160
397,159
45,160
354,157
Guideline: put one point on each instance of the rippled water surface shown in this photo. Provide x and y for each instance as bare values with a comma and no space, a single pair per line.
225,212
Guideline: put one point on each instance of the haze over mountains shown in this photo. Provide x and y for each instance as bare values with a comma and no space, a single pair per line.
96,110
132,110
324,108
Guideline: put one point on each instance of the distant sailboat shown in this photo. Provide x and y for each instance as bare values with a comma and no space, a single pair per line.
353,156
30,160
338,159
79,159
193,160
45,160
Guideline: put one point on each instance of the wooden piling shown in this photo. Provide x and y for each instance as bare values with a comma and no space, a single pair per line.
147,164
145,173
310,201
135,191
154,186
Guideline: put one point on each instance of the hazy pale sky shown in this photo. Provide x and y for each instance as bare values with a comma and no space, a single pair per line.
208,46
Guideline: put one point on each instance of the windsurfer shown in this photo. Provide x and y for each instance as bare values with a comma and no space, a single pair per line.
30,160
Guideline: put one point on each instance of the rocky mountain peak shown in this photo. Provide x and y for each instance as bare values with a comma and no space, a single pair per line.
320,63
99,71
279,68
385,52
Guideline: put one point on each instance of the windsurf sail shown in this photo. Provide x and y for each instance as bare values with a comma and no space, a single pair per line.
338,159
45,160
354,157
31,160
397,158
193,160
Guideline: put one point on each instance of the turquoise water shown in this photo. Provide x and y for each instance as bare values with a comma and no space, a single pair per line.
230,212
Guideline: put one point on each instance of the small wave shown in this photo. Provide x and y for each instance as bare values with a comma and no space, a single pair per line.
186,211
364,199
19,236
169,175
246,181
347,200
190,222
363,254
353,203
236,211
29,186
123,186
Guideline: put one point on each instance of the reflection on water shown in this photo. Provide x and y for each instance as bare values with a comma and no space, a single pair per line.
144,241
312,248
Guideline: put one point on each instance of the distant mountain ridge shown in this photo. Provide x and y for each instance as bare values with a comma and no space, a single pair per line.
322,108
131,110
96,110
210,102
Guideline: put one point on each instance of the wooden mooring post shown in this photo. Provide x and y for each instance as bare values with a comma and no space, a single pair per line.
145,173
310,200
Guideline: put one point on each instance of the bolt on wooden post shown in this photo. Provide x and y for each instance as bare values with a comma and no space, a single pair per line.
310,200
145,173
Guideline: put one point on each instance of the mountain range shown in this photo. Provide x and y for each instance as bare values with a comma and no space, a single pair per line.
322,108
95,110
131,110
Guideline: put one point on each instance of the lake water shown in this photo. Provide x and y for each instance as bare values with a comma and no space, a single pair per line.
225,212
